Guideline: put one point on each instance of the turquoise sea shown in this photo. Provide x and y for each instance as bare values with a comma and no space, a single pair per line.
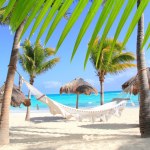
84,100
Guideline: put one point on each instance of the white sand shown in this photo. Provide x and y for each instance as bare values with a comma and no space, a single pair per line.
45,132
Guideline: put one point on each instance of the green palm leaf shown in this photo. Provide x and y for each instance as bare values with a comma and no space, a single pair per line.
9,8
47,65
111,19
32,16
28,59
49,51
22,9
41,15
35,59
103,16
122,21
148,46
118,58
25,8
123,57
118,68
146,37
1,3
59,16
76,13
2,10
135,19
49,17
91,14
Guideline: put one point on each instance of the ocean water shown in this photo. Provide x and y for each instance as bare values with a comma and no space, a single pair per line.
84,100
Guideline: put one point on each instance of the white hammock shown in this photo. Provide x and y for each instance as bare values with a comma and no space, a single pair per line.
103,112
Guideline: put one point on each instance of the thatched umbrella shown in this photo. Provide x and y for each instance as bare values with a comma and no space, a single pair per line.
132,85
78,86
17,96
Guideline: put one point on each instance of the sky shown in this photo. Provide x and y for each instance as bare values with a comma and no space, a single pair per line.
65,71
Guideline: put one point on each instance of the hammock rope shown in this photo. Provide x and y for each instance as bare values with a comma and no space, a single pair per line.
103,112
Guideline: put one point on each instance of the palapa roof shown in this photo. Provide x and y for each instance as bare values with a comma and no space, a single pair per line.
17,96
132,85
78,86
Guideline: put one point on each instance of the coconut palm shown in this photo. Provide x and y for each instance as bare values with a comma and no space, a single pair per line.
35,61
4,118
144,115
111,7
119,62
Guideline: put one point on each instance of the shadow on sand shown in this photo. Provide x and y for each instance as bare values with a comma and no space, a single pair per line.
46,139
110,126
46,119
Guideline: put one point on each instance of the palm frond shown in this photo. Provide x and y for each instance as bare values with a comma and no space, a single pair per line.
2,20
39,55
111,19
123,57
47,65
93,10
8,9
32,15
148,46
35,58
139,12
26,63
75,15
27,48
57,19
109,13
1,3
49,17
49,51
118,68
126,13
102,19
120,60
39,18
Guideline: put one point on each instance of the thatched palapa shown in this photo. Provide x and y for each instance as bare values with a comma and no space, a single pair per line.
78,86
132,85
17,97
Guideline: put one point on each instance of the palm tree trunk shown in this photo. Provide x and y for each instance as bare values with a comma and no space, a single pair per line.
101,80
77,101
144,115
101,92
4,119
27,118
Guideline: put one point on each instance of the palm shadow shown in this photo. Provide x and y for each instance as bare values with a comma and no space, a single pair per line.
110,126
47,119
40,137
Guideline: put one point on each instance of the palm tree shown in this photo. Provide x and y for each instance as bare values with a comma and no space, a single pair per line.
6,22
119,62
32,8
4,116
35,61
4,119
144,115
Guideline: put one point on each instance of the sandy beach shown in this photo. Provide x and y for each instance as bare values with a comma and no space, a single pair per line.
46,132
